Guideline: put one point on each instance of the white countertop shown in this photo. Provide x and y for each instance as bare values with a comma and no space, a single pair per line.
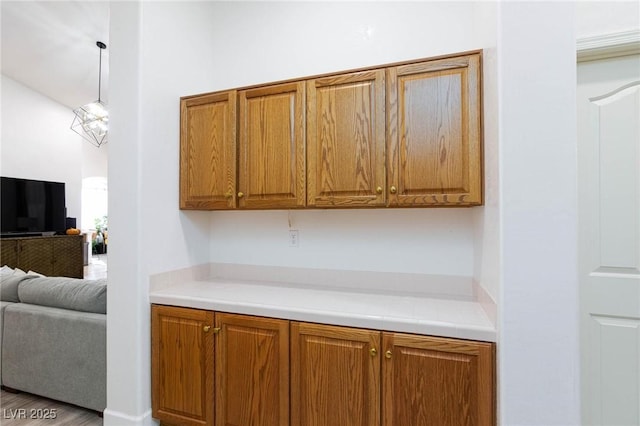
380,310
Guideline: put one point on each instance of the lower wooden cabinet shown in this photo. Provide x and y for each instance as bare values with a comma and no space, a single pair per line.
252,371
275,372
437,381
182,365
335,375
248,357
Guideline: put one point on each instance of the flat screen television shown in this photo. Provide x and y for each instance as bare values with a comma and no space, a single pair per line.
31,206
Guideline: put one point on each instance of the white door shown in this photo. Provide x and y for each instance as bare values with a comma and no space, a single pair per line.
609,239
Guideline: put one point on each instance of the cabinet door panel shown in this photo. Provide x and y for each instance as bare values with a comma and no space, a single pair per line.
36,254
272,148
208,151
182,365
9,253
67,256
439,381
252,371
434,132
335,379
345,139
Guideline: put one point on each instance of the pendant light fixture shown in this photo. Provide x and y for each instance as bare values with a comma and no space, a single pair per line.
92,120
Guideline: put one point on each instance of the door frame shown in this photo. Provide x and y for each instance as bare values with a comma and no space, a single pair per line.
606,46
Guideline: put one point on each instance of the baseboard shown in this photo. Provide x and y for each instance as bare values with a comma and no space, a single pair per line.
116,418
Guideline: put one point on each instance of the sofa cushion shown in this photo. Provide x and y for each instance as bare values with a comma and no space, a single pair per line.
56,353
66,293
5,271
3,305
9,287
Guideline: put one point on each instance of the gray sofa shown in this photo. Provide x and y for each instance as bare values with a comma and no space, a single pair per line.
53,334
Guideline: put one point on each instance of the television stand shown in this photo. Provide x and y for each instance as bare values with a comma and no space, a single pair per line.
21,234
58,255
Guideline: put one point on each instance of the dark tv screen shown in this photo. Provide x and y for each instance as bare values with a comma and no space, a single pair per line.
31,206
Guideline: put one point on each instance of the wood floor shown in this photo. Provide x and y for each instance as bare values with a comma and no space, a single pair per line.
23,409
97,267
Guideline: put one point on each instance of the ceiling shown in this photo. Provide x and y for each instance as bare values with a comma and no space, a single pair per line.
50,46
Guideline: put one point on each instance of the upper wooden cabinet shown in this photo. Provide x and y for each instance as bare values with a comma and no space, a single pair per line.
182,365
402,135
345,139
272,148
208,151
434,132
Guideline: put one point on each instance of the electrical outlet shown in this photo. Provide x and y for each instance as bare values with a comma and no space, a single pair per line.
294,239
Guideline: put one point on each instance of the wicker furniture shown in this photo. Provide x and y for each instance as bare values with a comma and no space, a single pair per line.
59,255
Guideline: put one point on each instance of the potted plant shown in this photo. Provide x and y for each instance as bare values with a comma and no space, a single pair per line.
98,244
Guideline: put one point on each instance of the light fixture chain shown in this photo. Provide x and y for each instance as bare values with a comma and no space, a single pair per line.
91,121
99,74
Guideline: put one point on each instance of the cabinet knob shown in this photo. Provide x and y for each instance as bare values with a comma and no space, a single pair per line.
240,194
229,194
387,354
373,351
393,190
206,328
379,190
216,330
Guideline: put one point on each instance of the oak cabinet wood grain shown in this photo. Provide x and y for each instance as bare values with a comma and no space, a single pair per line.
276,372
434,149
439,381
208,151
345,139
272,147
335,376
401,135
252,371
182,365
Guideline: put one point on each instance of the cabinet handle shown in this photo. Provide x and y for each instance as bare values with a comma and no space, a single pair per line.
240,194
206,328
387,354
373,351
229,194
379,190
393,190
216,330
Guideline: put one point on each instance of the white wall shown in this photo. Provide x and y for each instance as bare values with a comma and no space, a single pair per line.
37,142
521,246
538,310
94,160
603,17
263,42
46,148
159,52
432,241
487,262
